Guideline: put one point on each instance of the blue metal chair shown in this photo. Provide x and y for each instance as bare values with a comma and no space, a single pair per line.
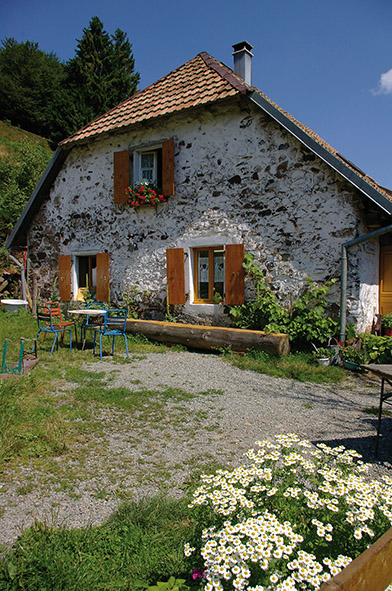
115,323
93,322
45,325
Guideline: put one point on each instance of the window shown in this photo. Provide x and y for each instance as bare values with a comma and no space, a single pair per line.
148,167
212,270
80,271
86,273
209,273
151,163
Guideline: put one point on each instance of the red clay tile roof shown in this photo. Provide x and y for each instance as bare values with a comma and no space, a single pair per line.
200,81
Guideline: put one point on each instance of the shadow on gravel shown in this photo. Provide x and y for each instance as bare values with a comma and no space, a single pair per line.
366,446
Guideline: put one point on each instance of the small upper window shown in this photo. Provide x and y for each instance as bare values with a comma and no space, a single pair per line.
148,167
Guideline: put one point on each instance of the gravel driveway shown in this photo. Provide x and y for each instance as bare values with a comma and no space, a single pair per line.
230,409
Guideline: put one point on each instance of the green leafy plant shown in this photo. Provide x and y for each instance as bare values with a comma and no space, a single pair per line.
131,301
307,319
144,194
290,518
322,353
172,584
378,349
350,353
386,320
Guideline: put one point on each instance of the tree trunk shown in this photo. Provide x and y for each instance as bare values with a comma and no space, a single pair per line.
210,337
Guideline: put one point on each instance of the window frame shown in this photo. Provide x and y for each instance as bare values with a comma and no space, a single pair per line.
195,253
137,165
91,287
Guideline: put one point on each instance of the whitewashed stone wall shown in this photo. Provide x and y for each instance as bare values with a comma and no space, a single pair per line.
239,178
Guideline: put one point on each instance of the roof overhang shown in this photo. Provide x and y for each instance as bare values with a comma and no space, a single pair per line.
34,203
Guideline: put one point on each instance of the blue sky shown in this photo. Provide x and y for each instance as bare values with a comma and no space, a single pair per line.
327,62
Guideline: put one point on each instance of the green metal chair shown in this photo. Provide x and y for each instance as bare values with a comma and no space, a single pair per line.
46,325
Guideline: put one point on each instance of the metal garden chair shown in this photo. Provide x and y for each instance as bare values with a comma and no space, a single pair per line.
48,325
93,322
58,319
115,323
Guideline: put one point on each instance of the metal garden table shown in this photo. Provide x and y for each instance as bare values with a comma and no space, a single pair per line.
384,372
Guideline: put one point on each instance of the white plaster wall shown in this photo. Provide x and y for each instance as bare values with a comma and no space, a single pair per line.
239,178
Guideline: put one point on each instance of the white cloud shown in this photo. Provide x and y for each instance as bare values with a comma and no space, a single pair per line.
385,84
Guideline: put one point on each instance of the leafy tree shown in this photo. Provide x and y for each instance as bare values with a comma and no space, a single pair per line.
102,73
32,92
19,174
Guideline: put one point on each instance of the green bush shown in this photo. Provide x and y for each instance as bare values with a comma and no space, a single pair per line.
307,320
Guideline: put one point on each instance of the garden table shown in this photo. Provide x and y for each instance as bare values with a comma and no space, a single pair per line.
87,312
385,373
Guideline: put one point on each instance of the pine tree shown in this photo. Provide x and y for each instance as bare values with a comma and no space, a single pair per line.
102,73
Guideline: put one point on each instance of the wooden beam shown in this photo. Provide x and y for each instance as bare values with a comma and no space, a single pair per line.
210,337
371,571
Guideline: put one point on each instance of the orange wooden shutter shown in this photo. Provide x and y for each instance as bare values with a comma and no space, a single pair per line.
103,277
121,176
234,274
175,275
65,277
385,292
168,167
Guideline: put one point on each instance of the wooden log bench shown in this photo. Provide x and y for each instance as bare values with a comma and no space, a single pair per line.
210,337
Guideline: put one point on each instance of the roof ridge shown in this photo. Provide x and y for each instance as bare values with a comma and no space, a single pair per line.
225,72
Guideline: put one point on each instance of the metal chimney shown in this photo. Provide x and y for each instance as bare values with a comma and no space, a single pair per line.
243,61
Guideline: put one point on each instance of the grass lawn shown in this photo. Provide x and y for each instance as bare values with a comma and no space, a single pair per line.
49,410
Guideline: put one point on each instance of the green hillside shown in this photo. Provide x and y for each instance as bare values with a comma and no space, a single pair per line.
11,137
23,158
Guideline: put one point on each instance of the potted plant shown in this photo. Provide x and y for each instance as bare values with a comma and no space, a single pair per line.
322,355
144,194
386,321
353,358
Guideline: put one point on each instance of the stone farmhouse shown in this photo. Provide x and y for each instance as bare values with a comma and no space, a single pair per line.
239,174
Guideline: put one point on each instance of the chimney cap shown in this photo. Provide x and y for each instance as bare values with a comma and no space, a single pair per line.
244,45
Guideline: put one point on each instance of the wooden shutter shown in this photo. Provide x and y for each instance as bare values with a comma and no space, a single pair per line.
234,275
385,291
65,277
168,167
121,166
175,275
103,277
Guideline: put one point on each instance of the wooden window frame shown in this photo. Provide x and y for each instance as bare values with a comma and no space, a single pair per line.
211,250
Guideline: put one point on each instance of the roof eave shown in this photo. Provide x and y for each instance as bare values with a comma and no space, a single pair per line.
354,179
42,188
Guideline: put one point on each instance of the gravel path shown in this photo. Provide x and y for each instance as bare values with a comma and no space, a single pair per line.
131,457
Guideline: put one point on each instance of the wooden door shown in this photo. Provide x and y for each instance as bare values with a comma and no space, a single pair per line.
385,279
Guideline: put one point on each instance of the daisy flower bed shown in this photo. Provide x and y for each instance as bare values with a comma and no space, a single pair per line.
289,519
